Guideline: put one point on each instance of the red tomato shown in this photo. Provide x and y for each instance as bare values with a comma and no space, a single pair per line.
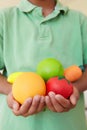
59,86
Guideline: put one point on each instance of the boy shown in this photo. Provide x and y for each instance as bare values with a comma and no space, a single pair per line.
30,32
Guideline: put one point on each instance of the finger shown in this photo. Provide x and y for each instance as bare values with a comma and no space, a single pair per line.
74,97
24,107
32,110
41,104
12,103
16,106
73,101
49,104
10,100
55,103
64,102
34,105
66,110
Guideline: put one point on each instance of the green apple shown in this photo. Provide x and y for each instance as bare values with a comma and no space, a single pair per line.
50,67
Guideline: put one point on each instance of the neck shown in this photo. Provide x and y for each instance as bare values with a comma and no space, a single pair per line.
45,4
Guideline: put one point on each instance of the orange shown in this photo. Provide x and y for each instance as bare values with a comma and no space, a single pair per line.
73,73
28,84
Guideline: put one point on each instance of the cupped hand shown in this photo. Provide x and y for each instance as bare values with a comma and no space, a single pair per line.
29,107
58,103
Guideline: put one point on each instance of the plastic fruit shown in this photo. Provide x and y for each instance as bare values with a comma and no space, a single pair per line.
28,84
73,73
11,78
59,86
50,67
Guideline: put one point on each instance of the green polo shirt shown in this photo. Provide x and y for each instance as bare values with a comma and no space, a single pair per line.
26,38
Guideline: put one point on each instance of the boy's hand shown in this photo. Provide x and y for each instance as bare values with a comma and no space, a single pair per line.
29,107
58,103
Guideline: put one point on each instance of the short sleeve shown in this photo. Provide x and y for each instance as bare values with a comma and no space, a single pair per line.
84,37
1,44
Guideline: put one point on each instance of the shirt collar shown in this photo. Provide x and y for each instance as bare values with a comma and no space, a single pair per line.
26,6
60,8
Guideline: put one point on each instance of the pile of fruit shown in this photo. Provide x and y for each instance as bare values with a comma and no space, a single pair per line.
49,76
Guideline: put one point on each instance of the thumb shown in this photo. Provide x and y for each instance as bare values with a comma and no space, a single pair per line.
75,96
73,99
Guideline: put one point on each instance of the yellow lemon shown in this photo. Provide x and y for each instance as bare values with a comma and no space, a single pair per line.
11,78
